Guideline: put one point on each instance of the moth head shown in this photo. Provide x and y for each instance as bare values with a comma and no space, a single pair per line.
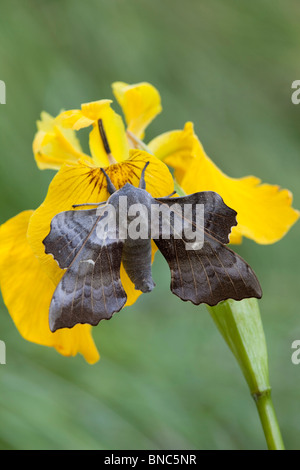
132,194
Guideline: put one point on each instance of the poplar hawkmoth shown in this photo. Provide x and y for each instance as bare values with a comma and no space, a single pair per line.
91,288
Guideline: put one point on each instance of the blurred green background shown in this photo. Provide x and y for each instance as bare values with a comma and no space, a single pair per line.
166,379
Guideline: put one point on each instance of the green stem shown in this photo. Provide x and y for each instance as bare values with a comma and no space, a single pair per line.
269,421
241,327
138,143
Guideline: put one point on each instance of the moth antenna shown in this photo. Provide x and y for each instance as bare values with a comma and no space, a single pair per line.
169,195
90,204
105,142
142,183
110,187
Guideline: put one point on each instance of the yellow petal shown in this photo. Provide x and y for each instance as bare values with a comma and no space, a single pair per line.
116,137
175,148
74,119
113,125
235,236
86,116
95,110
53,145
80,183
264,211
140,104
159,181
27,292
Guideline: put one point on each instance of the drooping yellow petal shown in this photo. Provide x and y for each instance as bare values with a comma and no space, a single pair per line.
80,183
89,115
159,181
264,211
54,145
27,292
140,104
175,148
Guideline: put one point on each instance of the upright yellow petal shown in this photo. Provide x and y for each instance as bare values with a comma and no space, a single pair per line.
175,148
81,183
140,103
116,137
54,145
95,110
27,292
89,115
264,211
74,119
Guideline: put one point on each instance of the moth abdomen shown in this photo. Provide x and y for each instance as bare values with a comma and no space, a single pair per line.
136,259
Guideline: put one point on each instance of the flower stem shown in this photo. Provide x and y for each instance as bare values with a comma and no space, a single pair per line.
138,143
241,327
268,420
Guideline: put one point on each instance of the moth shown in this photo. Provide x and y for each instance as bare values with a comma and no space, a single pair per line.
91,288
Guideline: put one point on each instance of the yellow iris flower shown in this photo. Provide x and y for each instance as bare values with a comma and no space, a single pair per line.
28,276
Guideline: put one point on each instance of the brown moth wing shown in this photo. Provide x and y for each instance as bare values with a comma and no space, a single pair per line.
214,272
91,288
218,217
68,231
